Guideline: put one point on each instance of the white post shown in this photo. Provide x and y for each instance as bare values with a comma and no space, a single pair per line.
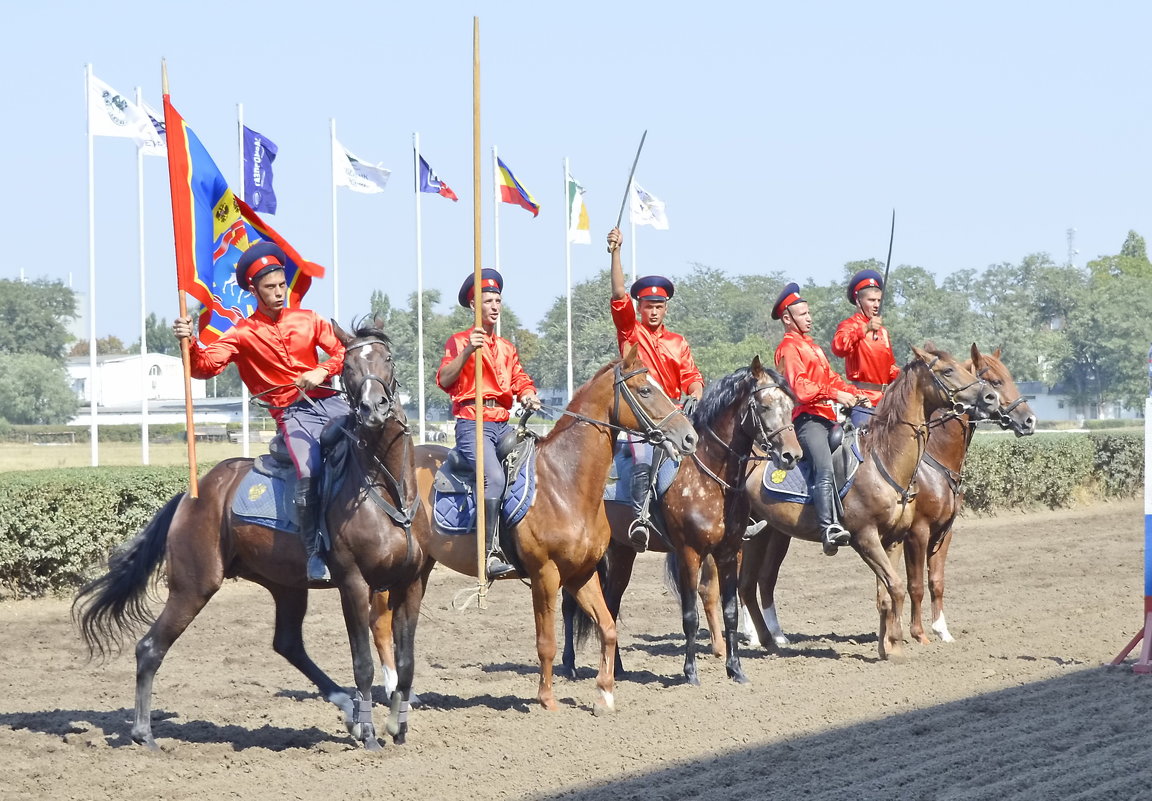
143,296
93,382
335,238
568,270
419,287
244,421
495,225
633,249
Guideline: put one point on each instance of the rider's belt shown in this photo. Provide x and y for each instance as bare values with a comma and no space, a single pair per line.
871,386
491,403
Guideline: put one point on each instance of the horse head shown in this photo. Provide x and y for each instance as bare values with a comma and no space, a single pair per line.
1013,413
954,387
770,405
647,410
370,376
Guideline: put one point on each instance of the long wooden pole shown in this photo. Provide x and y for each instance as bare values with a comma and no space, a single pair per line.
478,363
185,344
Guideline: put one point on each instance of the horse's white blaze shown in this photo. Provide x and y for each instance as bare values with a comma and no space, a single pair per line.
363,353
940,626
773,624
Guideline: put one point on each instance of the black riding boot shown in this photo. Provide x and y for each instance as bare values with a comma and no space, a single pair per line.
310,533
641,487
496,567
824,499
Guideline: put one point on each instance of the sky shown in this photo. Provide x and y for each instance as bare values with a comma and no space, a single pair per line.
780,136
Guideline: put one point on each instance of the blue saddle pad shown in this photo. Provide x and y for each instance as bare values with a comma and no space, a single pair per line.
795,485
265,500
454,502
619,486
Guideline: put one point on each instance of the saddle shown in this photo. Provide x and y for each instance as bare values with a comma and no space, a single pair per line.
454,488
266,491
795,486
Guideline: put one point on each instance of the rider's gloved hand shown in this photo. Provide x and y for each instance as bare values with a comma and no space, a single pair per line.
690,404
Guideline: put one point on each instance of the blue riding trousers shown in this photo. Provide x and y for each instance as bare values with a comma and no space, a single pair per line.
301,424
494,479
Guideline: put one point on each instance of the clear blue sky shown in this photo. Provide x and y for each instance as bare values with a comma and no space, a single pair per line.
779,135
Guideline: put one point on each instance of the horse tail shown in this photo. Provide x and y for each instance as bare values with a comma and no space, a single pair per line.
582,625
117,602
672,572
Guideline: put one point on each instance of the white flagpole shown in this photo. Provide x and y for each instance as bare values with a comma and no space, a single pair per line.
633,234
244,422
495,224
568,269
335,238
93,379
419,286
143,296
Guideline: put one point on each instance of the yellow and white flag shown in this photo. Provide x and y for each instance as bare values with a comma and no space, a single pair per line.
578,229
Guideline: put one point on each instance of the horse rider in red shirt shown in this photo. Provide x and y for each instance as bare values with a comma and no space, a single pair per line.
862,342
274,349
504,382
665,354
818,389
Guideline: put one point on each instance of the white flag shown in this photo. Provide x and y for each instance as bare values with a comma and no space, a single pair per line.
645,209
579,232
113,114
157,142
357,175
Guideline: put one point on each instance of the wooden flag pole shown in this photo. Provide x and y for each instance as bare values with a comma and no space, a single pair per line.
186,342
478,363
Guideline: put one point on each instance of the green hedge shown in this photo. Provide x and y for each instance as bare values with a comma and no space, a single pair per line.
1052,470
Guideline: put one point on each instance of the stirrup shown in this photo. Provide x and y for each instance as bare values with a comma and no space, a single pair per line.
638,534
755,528
496,567
834,537
318,572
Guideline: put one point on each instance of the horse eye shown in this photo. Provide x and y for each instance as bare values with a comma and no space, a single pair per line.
947,371
645,391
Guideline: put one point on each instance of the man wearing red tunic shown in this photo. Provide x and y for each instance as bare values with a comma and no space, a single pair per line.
665,354
275,351
504,382
862,341
818,388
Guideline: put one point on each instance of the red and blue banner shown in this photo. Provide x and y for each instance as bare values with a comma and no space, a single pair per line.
212,227
430,182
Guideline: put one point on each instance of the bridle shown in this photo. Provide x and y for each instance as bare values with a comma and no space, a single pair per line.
1001,415
958,407
752,411
391,388
651,431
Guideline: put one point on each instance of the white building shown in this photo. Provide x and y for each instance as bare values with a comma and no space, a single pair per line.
125,380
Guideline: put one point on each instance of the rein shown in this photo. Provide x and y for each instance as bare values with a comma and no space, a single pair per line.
763,437
653,432
1003,411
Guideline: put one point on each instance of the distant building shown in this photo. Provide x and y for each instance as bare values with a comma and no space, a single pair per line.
1055,404
124,380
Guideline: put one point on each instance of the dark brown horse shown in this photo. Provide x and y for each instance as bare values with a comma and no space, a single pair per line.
941,494
564,534
878,509
375,530
704,509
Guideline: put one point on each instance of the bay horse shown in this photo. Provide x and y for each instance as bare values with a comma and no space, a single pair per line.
941,493
564,533
880,505
376,534
703,506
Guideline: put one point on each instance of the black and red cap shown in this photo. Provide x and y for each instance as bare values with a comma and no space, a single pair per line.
863,280
652,287
790,295
260,258
490,281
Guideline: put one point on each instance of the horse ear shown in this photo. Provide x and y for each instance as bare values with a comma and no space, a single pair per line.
341,334
930,346
630,357
976,355
921,355
757,368
997,353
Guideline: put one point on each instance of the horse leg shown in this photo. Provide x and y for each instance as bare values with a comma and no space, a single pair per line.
751,560
381,616
591,599
688,581
710,600
568,609
915,554
621,560
545,585
726,573
405,606
889,588
355,601
777,550
936,558
288,641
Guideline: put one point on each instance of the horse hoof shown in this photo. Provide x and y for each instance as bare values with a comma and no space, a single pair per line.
692,679
739,677
601,709
372,744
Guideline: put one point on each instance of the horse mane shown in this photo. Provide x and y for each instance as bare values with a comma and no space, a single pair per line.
564,420
371,328
897,396
721,394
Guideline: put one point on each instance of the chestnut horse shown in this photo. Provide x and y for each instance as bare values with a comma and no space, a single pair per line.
941,494
376,534
704,507
879,507
563,535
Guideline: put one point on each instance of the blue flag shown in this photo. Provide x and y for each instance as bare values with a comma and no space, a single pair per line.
259,153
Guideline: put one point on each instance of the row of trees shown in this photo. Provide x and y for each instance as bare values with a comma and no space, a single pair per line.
1086,328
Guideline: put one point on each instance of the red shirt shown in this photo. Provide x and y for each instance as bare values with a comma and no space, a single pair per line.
865,359
504,377
271,353
810,375
665,354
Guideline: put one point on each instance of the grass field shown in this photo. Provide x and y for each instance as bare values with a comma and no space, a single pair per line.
22,456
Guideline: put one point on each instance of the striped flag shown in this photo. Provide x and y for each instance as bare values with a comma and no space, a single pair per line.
579,232
511,191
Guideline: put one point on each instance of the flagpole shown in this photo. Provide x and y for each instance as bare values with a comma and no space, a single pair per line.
568,270
186,342
244,422
419,285
481,572
143,297
93,378
335,238
496,219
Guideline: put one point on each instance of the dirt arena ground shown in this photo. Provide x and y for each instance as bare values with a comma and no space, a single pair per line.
1019,707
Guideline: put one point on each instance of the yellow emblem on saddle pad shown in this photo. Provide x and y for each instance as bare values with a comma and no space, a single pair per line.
256,490
778,476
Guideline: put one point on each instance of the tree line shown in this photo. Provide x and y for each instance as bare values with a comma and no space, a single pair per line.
1085,328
